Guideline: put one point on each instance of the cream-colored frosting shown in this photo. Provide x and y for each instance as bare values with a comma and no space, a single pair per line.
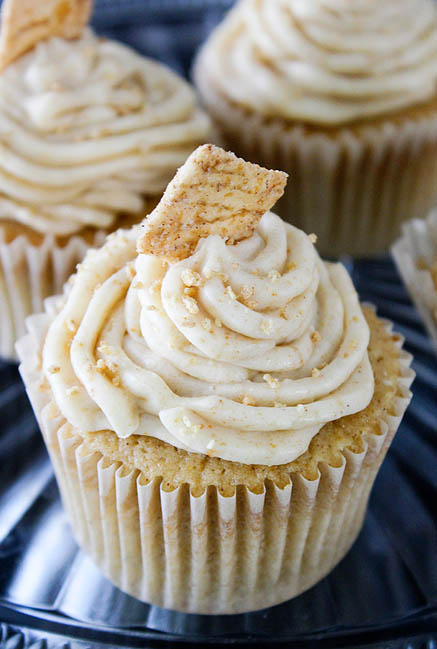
324,61
87,128
243,352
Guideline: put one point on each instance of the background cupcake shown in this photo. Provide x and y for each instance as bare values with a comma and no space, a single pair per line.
215,420
415,254
91,133
340,95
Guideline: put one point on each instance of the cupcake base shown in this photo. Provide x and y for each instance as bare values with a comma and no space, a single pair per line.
351,186
209,550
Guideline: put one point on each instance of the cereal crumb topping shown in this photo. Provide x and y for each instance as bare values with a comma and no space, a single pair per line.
267,326
155,286
190,277
274,275
71,325
273,383
191,305
108,370
231,293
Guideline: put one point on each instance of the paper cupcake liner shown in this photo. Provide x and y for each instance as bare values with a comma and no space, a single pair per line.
351,189
418,245
30,273
211,553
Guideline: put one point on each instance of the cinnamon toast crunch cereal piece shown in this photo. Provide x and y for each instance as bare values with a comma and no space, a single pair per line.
25,22
214,192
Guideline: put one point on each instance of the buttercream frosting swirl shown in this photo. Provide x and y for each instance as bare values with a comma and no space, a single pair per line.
239,351
324,61
88,127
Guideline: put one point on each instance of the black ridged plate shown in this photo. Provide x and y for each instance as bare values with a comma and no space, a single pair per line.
386,587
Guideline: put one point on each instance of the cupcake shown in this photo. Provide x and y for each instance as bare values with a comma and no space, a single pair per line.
91,134
215,401
415,255
342,96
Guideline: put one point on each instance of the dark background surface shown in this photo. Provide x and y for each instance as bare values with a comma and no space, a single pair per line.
383,594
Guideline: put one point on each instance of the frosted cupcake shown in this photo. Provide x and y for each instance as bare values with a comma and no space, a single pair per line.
415,254
215,401
342,95
91,134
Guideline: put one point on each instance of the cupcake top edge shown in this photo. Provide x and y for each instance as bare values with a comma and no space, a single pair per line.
89,129
240,350
325,62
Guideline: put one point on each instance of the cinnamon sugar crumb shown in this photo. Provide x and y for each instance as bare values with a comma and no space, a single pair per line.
273,383
71,325
155,286
108,370
267,326
247,291
274,275
191,277
191,305
231,293
130,271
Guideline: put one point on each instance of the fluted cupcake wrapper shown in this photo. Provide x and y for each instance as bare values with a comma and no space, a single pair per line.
209,553
29,273
415,248
353,189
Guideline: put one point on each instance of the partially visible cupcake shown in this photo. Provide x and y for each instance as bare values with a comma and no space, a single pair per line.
343,96
215,401
415,254
90,134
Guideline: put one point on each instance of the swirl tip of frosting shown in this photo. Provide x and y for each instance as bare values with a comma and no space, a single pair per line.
214,192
